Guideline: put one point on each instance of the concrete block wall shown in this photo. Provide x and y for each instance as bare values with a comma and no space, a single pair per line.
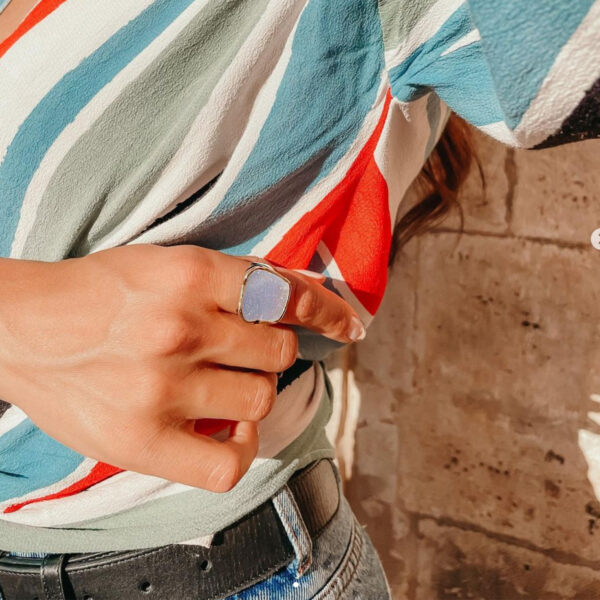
463,418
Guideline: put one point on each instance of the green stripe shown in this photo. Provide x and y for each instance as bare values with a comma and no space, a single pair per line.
110,169
399,17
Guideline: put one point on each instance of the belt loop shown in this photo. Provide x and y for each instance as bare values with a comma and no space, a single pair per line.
51,572
295,527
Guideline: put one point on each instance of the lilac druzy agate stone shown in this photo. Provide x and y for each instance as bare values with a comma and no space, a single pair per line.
265,296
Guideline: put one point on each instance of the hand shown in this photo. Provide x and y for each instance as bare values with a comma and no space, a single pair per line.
118,353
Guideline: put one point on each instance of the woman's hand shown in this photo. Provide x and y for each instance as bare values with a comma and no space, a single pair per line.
118,353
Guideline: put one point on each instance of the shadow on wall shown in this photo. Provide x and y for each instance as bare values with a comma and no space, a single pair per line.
466,408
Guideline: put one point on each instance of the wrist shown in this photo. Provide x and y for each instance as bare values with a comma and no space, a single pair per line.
24,284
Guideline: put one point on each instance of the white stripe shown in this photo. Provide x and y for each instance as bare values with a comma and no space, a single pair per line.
445,114
265,87
79,473
424,30
10,419
574,71
85,120
336,278
317,193
122,491
501,132
55,46
400,151
467,40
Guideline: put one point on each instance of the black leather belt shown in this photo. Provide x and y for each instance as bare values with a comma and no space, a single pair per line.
241,555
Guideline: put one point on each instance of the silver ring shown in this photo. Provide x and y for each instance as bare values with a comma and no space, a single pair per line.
264,295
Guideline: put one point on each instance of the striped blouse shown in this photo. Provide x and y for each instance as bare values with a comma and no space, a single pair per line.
288,129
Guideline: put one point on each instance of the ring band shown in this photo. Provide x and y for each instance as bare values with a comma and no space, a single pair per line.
264,295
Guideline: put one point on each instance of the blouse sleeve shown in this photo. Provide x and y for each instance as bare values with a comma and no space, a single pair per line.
526,72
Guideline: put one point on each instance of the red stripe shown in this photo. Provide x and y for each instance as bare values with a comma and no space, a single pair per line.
100,472
40,12
354,222
360,241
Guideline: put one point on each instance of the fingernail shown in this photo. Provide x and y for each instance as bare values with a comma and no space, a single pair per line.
357,330
311,274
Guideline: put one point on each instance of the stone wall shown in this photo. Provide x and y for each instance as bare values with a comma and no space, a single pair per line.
464,414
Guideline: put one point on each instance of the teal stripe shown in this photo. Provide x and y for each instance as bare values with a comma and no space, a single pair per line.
30,460
461,78
114,164
521,40
65,100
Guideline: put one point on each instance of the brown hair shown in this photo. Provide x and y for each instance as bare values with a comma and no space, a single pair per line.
438,183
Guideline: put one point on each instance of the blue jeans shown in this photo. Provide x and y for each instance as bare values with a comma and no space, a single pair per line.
339,563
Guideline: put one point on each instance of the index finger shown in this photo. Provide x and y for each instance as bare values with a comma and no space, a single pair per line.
311,305
315,307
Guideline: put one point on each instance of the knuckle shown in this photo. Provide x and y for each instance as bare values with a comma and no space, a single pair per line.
287,350
188,266
341,325
263,399
307,303
226,473
170,335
